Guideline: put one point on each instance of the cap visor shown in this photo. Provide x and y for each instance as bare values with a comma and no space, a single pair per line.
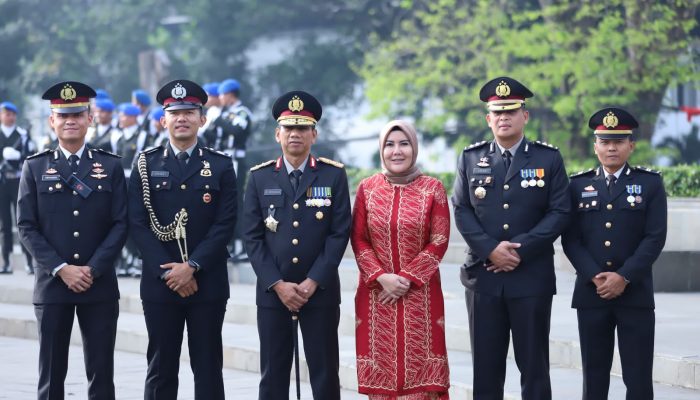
69,110
613,135
181,106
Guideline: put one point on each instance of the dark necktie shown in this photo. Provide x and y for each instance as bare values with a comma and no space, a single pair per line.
507,159
73,161
611,182
294,179
182,160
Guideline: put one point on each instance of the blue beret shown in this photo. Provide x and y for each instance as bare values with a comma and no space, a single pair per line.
157,113
129,109
228,86
9,106
104,104
142,97
101,94
212,88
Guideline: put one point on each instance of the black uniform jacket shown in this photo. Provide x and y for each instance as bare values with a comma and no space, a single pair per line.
506,208
207,191
57,224
312,233
622,231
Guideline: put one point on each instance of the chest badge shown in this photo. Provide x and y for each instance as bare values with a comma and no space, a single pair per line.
480,192
483,162
270,222
319,215
633,190
206,169
51,171
206,198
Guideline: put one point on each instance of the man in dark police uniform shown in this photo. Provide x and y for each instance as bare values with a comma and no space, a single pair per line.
617,232
511,202
297,226
72,217
182,210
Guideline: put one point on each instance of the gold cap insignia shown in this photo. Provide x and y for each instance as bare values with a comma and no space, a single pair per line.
178,92
502,90
68,93
610,120
295,104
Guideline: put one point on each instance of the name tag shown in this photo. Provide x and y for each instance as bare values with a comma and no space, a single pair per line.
273,192
589,194
481,170
160,174
48,178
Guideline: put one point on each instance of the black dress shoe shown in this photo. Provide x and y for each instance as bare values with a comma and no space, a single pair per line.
30,269
6,269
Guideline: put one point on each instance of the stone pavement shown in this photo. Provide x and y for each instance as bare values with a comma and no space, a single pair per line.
677,360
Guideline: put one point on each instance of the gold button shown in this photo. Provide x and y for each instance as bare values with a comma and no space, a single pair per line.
607,243
608,263
76,213
158,186
506,187
295,241
609,207
506,206
76,234
608,225
295,224
99,187
74,193
506,226
183,186
206,186
296,206
76,256
50,188
295,260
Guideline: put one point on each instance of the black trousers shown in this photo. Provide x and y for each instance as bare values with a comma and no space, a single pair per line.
8,206
319,329
98,326
635,340
165,323
492,319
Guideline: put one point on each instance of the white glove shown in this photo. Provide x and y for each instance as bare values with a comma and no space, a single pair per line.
8,153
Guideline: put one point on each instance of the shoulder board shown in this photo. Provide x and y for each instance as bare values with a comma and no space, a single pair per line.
151,150
331,162
43,153
475,145
102,151
217,152
547,145
261,165
645,169
581,173
21,130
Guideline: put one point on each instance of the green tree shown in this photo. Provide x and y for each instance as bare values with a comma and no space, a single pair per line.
576,56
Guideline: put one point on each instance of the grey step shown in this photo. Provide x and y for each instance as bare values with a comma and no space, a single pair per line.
18,376
241,353
676,360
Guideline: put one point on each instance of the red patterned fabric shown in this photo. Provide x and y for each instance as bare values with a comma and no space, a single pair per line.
401,350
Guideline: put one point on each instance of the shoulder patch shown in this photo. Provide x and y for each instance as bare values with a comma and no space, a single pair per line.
102,151
475,145
261,165
547,145
43,153
217,152
581,173
648,170
331,162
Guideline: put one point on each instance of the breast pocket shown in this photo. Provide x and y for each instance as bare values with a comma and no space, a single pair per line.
48,195
480,186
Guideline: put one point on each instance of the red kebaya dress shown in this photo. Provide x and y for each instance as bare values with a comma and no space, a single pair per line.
401,352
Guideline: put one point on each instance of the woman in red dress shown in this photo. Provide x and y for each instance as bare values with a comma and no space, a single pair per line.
400,231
